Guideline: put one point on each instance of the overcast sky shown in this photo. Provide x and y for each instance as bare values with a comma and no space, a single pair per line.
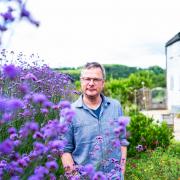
73,32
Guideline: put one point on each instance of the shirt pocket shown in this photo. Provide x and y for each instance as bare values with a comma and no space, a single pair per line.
85,133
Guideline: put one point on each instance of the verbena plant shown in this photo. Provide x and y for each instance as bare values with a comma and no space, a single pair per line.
31,135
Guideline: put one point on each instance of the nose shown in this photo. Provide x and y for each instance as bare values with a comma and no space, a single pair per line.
91,81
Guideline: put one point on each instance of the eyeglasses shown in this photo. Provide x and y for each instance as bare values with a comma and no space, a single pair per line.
88,80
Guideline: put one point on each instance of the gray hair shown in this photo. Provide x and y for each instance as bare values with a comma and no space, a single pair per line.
90,65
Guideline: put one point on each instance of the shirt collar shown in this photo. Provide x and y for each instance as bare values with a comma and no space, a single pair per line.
79,103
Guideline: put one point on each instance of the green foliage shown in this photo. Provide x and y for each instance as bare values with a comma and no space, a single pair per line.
153,75
135,80
117,89
144,131
161,164
124,89
156,70
116,71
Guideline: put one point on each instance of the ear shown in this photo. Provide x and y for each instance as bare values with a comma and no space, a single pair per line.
103,83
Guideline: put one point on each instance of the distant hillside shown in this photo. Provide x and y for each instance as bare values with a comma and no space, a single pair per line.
114,71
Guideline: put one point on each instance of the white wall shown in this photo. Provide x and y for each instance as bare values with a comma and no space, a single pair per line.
173,75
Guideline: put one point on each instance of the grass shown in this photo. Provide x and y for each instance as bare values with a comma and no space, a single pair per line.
160,164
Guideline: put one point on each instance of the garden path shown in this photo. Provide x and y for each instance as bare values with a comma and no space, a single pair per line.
177,128
160,115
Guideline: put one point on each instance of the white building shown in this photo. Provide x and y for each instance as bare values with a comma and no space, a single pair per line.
173,73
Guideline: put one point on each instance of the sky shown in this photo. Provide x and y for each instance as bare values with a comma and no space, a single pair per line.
73,32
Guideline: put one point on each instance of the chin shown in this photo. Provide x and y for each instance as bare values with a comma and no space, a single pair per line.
91,95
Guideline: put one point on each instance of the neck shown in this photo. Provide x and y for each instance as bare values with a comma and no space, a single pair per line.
92,102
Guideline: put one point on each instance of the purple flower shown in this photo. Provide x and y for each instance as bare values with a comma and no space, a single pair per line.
12,130
16,143
3,28
3,164
62,128
24,89
14,168
99,139
44,110
22,162
116,143
30,76
14,104
35,177
23,132
2,104
64,104
10,71
15,178
25,12
52,177
38,135
13,136
52,165
140,148
41,171
58,144
33,126
113,160
119,130
39,98
7,117
123,121
39,149
8,16
99,176
6,146
47,104
51,129
88,170
67,114
26,113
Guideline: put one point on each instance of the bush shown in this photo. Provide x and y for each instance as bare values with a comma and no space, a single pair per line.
145,134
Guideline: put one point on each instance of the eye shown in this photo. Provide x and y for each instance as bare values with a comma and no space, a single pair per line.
96,80
87,79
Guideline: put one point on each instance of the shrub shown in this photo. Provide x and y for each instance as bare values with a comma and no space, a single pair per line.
145,133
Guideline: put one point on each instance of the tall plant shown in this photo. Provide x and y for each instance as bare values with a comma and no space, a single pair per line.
12,12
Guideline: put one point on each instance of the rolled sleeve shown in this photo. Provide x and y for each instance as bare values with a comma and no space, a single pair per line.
123,139
69,138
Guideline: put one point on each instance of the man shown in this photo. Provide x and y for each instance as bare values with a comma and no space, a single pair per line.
91,132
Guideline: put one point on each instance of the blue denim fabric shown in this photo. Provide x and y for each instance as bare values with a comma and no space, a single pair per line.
86,129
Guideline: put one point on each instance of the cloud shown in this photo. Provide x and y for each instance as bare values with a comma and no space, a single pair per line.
121,32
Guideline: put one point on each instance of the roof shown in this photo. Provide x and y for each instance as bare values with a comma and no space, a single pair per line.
173,40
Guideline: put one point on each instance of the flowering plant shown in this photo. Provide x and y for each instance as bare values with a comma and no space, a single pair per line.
11,12
30,141
31,135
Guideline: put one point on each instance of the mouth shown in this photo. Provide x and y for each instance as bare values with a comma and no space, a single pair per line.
91,89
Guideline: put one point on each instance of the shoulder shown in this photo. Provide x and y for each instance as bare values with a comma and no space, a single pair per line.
111,101
77,103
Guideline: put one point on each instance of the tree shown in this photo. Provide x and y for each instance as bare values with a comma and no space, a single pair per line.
12,12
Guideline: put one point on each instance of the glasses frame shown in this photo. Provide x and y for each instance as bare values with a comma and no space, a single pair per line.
87,80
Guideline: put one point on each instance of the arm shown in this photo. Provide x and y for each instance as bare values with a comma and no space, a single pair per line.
68,162
123,158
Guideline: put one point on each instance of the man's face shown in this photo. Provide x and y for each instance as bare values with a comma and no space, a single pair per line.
92,82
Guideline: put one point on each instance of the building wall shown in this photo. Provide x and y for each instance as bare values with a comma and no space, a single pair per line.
173,76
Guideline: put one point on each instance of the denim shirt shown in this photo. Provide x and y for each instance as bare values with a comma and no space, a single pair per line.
90,138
